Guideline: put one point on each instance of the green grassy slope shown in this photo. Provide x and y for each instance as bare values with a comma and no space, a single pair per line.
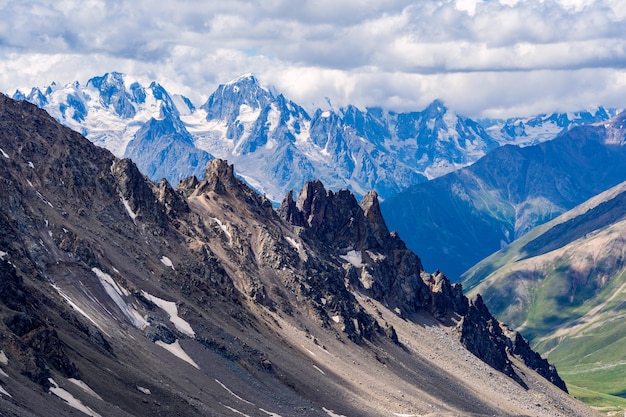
563,285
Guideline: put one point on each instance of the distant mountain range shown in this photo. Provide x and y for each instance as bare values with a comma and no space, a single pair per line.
457,220
124,297
276,145
563,285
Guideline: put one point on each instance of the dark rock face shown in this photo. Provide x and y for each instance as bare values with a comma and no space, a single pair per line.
482,335
521,348
30,338
389,271
490,340
137,193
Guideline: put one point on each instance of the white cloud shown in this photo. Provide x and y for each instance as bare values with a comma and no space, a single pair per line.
485,57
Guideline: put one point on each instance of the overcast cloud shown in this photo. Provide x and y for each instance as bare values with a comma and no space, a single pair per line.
483,58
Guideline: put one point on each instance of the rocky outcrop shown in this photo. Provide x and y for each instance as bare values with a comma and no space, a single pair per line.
381,266
482,335
137,194
520,347
492,341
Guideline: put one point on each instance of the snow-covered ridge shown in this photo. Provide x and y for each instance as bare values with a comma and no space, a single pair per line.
277,146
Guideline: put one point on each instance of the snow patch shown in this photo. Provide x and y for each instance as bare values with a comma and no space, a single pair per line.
170,308
167,262
116,293
4,153
269,413
4,392
144,390
322,372
74,305
70,399
231,408
331,413
106,277
293,242
336,319
3,358
30,164
129,210
248,114
178,351
85,388
2,255
223,227
41,197
354,257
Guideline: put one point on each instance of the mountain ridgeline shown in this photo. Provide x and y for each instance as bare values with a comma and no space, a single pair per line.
275,144
120,296
456,220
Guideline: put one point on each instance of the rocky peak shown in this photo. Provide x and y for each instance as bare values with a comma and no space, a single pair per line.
312,203
435,110
113,92
136,194
230,99
219,176
616,130
174,203
371,208
289,211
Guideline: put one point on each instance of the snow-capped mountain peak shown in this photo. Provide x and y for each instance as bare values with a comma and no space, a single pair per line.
276,144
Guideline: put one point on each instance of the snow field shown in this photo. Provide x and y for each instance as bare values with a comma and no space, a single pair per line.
170,308
70,399
176,350
167,262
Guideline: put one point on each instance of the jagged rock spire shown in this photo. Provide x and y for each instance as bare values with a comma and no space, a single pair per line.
371,208
218,177
289,211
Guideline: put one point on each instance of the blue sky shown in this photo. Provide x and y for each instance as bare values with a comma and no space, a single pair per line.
493,58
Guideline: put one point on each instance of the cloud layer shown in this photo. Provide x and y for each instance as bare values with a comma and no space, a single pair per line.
483,58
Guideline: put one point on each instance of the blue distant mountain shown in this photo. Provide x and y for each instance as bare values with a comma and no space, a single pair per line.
456,220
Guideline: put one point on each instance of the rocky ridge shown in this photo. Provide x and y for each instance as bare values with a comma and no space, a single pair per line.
121,296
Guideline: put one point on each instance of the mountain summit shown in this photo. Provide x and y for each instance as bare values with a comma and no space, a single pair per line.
120,296
274,143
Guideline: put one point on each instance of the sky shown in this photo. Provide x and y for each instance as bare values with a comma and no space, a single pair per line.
483,58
